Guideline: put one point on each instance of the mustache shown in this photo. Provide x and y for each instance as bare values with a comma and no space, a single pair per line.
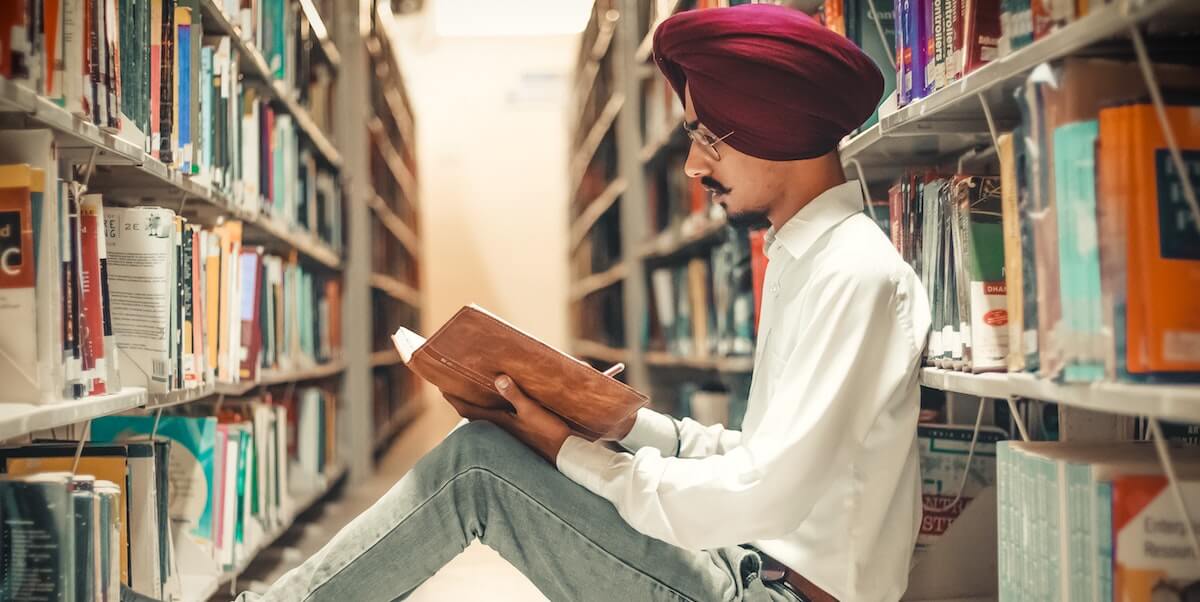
713,185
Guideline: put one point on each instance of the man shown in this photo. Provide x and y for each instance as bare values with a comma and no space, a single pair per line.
823,481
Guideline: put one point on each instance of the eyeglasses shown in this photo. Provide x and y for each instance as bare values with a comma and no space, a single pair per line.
706,139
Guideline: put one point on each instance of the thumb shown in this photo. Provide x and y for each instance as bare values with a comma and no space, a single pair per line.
511,392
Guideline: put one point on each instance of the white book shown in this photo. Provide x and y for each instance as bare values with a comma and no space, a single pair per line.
280,459
38,149
145,569
141,286
74,44
229,500
18,295
308,432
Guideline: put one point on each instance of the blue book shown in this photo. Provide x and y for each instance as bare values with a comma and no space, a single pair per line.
184,52
1079,250
191,468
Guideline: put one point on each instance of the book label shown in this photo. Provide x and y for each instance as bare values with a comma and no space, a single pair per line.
1179,235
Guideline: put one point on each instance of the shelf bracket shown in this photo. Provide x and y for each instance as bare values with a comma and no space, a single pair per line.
87,427
862,183
91,168
154,429
1164,456
182,202
1017,418
1143,59
991,122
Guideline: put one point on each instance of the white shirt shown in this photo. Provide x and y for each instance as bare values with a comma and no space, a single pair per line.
824,475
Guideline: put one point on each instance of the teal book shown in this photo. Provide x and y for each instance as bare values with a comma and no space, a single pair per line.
876,40
1079,250
190,474
36,538
84,511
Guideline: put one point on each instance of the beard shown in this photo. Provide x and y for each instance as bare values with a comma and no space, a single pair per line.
747,220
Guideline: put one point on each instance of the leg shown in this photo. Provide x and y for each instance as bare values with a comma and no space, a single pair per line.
480,483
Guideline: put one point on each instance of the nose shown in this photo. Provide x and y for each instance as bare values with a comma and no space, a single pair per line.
698,163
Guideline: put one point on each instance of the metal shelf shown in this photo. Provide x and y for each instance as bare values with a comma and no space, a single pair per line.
593,211
704,230
18,419
396,289
279,377
587,149
395,225
586,81
1170,402
599,351
727,365
330,52
387,357
596,282
158,401
393,159
953,120
254,64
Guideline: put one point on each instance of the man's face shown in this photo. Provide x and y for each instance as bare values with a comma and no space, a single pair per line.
744,186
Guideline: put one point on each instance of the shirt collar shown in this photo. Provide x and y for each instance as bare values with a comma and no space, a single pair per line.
821,214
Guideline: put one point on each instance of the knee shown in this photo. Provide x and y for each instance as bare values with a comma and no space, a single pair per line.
481,444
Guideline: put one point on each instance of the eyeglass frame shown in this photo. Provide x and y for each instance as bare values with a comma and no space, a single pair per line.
698,134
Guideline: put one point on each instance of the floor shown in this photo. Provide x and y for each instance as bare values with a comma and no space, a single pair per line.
477,574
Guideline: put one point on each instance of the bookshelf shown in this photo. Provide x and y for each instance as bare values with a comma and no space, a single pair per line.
393,200
616,191
347,59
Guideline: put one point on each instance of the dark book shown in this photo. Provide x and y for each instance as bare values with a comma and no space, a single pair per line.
36,539
166,88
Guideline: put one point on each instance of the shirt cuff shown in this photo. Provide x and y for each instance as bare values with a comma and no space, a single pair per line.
585,462
652,429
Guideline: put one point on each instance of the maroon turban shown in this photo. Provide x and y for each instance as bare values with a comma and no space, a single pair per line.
787,87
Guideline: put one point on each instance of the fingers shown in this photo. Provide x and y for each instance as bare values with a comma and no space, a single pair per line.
471,411
513,393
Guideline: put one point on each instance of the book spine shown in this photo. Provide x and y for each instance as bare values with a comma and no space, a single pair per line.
92,306
166,87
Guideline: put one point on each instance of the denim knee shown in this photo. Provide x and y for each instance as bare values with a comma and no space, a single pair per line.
481,444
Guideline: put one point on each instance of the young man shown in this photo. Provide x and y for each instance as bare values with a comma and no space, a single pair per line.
818,497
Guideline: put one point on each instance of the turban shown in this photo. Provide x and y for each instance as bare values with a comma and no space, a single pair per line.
787,87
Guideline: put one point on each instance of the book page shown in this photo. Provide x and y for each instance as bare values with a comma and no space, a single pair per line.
407,342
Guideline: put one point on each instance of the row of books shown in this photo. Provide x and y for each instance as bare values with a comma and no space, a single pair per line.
870,24
600,317
1094,522
1070,263
676,201
393,388
390,256
145,70
153,500
708,306
99,297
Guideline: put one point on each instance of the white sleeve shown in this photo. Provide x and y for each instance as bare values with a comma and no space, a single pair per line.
857,353
692,440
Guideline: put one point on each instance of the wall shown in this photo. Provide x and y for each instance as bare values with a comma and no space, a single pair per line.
492,151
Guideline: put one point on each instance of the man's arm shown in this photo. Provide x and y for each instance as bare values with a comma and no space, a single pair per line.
680,438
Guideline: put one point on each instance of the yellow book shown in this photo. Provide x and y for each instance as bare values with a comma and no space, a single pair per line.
212,288
1013,278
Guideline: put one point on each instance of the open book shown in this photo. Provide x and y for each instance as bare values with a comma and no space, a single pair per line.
464,357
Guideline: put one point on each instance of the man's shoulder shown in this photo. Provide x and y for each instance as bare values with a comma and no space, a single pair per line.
859,252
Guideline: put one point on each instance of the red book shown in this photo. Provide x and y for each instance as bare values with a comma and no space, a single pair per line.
91,309
698,195
758,268
982,34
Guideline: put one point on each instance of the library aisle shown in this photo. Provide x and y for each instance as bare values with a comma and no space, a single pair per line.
227,225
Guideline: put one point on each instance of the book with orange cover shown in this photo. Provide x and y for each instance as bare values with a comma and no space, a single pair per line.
1163,244
18,298
465,356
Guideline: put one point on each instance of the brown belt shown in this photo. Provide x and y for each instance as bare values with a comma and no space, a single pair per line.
775,571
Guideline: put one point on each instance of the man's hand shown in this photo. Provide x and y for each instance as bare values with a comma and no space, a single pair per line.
533,424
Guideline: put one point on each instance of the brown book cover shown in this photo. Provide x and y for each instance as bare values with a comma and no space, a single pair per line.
464,357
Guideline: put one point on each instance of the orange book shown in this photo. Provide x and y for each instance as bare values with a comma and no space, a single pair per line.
212,288
1163,246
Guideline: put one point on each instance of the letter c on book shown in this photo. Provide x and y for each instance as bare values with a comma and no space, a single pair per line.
9,263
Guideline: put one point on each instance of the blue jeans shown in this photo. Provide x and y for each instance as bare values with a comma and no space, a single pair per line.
481,483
